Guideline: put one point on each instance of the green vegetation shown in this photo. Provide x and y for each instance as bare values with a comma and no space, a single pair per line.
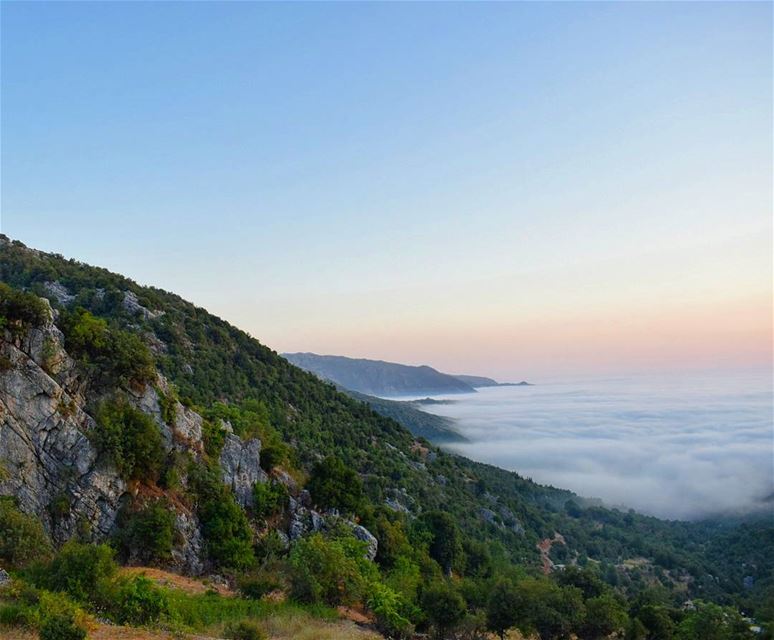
328,572
457,549
130,438
135,601
270,499
19,310
224,524
114,356
333,485
148,532
22,539
79,570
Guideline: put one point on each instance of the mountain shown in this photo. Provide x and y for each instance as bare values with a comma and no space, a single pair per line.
437,429
132,417
375,377
480,382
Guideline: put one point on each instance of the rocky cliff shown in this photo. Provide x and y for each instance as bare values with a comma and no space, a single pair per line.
51,465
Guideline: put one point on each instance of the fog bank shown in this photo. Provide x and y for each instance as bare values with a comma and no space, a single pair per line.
676,447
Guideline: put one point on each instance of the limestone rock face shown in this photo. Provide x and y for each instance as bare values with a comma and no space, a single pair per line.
363,534
132,305
47,460
240,464
304,520
44,449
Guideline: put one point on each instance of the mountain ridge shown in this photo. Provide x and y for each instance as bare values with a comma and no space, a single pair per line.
379,377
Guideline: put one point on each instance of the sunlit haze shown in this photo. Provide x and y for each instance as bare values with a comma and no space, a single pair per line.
514,190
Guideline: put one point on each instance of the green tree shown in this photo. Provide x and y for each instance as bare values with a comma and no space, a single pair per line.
80,570
444,607
224,524
545,608
604,616
711,622
148,533
657,621
445,539
20,310
334,485
130,438
502,607
269,498
22,538
329,571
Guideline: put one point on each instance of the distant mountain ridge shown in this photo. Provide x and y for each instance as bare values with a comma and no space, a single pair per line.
376,377
481,382
380,378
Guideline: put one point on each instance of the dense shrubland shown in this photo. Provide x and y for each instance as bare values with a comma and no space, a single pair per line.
458,559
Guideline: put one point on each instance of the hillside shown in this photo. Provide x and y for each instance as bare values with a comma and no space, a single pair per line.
132,416
480,382
378,378
437,429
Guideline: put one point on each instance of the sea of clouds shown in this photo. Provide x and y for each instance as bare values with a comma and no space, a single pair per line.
681,447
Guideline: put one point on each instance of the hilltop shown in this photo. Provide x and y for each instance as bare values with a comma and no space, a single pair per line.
379,378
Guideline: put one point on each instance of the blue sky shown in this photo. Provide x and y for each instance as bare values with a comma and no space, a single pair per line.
441,183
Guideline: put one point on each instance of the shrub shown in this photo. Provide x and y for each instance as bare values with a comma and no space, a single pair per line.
334,485
273,455
15,614
130,438
390,611
324,571
244,630
60,619
20,310
444,607
148,532
136,601
224,524
80,570
269,498
117,355
256,586
22,538
61,626
445,539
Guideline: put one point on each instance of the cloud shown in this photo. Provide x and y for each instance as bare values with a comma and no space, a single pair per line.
684,450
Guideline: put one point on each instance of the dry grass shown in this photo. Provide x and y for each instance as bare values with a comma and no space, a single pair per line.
301,626
176,581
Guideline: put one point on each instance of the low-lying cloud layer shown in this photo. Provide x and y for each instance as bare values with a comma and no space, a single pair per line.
679,448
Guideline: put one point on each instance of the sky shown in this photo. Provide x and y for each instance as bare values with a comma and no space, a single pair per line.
521,190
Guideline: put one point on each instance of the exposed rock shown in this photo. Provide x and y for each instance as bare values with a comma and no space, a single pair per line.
5,579
49,458
240,464
284,478
488,515
187,556
305,521
361,533
133,306
43,445
58,291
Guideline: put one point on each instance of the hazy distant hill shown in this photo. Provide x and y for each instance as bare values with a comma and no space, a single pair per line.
436,429
375,377
481,381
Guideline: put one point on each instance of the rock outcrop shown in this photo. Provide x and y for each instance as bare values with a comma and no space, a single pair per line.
46,453
50,465
240,465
